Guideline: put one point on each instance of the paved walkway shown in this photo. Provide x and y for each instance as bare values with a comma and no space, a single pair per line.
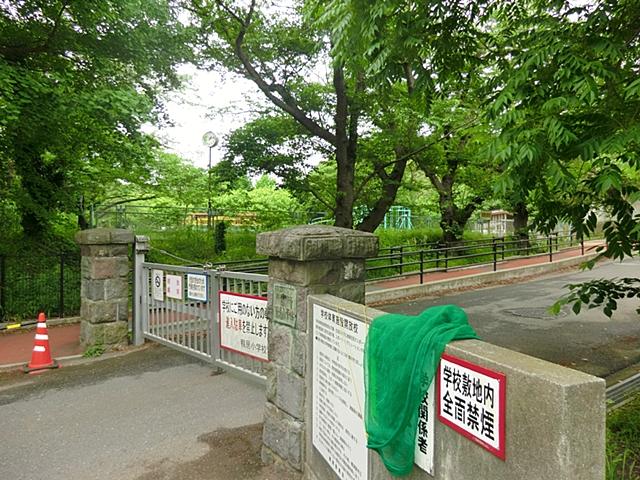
16,346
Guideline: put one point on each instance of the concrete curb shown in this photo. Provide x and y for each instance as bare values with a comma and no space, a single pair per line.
390,295
80,359
22,325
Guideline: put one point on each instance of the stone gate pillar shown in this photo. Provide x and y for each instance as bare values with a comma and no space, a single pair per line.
303,261
104,286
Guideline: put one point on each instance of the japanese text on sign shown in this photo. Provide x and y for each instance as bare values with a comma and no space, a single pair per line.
338,392
174,286
244,324
425,431
197,287
284,304
471,400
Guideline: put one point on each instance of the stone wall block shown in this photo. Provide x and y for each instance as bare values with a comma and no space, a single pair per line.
360,246
92,289
321,248
123,268
302,320
104,250
299,353
353,270
280,345
85,267
104,236
275,434
353,291
115,289
103,267
290,390
296,439
287,271
316,242
102,311
327,272
111,335
270,383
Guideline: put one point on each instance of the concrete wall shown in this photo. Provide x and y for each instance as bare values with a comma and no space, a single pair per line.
555,418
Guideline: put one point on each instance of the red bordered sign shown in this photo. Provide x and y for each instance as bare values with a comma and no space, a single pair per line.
244,327
472,401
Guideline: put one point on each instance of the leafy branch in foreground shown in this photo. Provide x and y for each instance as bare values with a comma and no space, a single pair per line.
597,293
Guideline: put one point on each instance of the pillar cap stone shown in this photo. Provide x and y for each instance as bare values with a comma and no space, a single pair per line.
317,242
104,236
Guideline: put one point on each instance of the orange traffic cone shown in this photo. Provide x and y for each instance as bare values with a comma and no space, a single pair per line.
41,355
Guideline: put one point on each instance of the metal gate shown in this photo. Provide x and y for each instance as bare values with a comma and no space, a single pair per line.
190,325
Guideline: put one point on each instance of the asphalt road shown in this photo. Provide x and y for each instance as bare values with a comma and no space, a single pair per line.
515,316
150,414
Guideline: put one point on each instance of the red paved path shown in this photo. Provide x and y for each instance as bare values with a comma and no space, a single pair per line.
15,347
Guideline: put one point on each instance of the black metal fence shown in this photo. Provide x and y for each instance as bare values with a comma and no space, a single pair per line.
31,283
423,259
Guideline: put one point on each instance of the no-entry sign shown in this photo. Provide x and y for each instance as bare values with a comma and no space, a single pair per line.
471,400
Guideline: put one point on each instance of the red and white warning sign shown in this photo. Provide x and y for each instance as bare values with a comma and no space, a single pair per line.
471,400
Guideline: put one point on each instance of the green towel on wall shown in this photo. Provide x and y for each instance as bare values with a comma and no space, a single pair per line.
401,355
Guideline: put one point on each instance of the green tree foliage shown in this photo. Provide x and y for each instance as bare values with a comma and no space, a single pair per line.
568,104
560,84
456,163
77,80
282,51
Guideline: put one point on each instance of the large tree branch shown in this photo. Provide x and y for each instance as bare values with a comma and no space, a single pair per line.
391,184
20,52
285,101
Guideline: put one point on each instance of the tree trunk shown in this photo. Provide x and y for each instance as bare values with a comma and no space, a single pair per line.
345,162
521,225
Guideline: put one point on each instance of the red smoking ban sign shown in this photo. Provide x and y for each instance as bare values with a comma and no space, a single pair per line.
471,400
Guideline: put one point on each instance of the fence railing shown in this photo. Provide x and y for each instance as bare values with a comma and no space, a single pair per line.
424,259
40,282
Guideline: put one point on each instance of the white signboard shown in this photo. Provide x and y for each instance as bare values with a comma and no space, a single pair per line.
157,285
338,392
244,325
174,286
425,431
471,400
197,286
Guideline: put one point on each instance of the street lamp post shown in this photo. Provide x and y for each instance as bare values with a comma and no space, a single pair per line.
210,139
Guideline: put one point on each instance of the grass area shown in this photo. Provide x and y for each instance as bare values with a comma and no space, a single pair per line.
623,442
197,246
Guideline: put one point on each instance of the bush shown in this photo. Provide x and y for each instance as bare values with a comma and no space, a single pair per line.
220,244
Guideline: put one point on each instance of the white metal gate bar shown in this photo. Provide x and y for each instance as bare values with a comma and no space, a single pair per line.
192,326
248,284
186,325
